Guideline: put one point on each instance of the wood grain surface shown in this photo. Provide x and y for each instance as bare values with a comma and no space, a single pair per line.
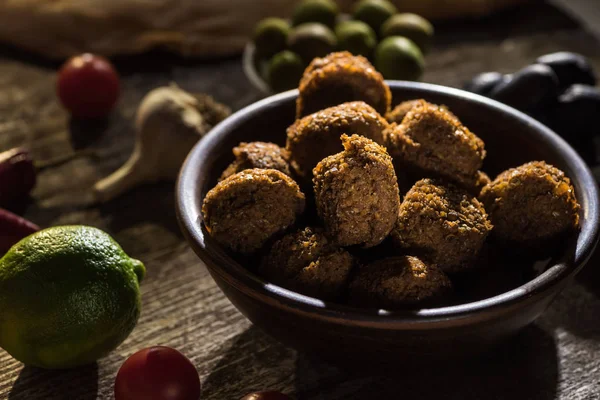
556,358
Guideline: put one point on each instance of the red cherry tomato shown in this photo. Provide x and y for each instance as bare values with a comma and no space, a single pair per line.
266,396
157,373
88,86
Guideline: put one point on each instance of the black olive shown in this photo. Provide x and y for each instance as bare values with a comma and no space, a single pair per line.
528,88
484,83
581,99
570,68
576,112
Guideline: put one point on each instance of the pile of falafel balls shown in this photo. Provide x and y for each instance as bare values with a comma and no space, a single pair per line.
355,175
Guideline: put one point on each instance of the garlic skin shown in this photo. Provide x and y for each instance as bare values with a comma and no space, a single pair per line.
168,124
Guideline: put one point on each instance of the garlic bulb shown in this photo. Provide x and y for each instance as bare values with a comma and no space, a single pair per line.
169,122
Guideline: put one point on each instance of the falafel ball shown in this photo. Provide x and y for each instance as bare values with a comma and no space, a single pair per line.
481,180
244,211
260,155
531,204
308,262
339,78
356,193
316,136
398,282
399,112
443,223
433,140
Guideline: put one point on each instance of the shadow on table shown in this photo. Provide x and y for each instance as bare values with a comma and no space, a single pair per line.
523,368
253,362
84,132
78,383
590,275
146,203
578,306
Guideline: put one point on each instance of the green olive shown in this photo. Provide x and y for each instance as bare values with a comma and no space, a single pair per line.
399,58
312,40
321,11
411,26
270,36
374,12
285,70
356,37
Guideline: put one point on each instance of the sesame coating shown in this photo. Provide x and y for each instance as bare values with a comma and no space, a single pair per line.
257,155
399,112
339,78
316,136
308,262
356,193
481,180
531,204
244,211
444,223
398,281
432,139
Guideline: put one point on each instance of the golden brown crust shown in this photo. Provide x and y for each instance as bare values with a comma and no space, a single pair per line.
397,282
481,180
245,210
531,204
432,139
443,223
260,155
399,112
316,136
308,262
356,193
339,78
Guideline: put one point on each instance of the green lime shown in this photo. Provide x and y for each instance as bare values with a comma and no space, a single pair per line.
356,37
312,40
68,296
285,70
270,36
399,58
374,12
321,11
411,26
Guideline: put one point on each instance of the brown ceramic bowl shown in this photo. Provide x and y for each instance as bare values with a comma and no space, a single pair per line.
339,332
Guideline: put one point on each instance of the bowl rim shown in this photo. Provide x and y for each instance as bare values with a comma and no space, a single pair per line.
248,65
249,59
254,286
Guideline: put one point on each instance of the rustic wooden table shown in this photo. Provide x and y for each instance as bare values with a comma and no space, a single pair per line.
556,358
